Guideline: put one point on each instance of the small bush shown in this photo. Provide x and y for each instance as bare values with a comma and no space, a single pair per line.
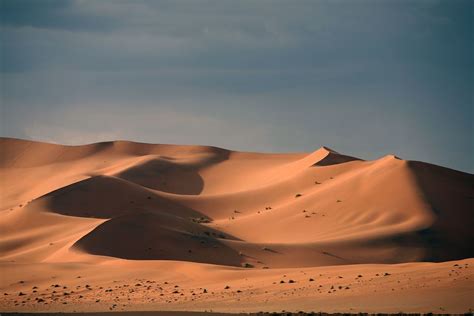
200,220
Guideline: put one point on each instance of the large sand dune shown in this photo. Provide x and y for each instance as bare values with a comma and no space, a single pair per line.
181,219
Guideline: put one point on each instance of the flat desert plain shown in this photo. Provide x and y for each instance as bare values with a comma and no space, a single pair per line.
124,226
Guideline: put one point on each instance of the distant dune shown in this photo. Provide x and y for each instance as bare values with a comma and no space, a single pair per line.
201,228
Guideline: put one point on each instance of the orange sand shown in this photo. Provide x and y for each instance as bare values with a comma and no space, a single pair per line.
149,227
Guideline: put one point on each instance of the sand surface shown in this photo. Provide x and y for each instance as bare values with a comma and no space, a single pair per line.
128,226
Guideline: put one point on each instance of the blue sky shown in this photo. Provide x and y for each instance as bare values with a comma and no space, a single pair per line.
366,78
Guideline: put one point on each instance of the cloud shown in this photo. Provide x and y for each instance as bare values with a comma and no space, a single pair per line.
55,14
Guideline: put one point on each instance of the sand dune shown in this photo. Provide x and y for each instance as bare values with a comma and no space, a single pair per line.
123,212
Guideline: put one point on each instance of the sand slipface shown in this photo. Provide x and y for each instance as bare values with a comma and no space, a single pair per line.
127,226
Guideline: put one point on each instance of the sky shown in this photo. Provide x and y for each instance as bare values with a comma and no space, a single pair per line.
364,77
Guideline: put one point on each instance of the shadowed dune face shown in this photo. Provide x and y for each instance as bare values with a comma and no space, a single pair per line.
334,159
174,174
155,236
165,175
109,197
450,194
327,157
210,205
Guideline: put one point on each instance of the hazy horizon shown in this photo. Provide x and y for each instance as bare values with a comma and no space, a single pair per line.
366,78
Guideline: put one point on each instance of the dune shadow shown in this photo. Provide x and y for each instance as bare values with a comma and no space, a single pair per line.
168,174
334,159
334,256
154,236
141,225
108,197
165,175
270,250
449,193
